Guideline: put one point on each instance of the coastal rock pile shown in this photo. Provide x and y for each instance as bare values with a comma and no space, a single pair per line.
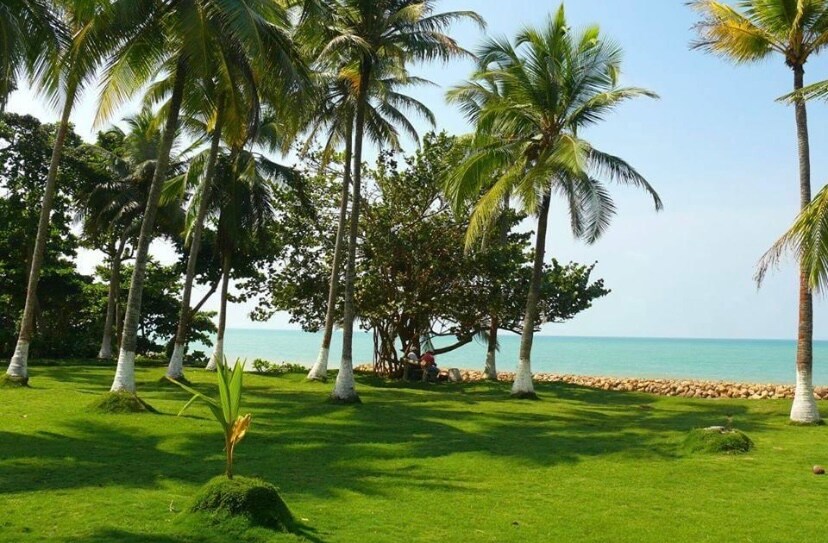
687,388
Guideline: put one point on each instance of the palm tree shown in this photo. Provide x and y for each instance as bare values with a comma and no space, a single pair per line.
528,103
753,31
385,111
367,33
30,33
242,206
171,39
60,77
112,210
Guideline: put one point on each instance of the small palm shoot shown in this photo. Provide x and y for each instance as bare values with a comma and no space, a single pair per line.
226,409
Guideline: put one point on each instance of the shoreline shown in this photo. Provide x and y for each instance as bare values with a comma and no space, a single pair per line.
685,388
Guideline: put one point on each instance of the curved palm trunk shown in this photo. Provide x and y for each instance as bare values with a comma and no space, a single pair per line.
218,353
804,408
319,371
19,366
345,389
175,370
522,387
112,301
125,372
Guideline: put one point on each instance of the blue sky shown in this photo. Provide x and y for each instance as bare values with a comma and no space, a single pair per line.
719,149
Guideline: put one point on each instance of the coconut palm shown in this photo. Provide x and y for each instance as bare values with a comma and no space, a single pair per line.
529,102
795,30
182,39
60,76
112,211
366,33
242,207
386,110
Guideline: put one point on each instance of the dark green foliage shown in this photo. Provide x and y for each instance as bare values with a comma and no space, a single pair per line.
121,402
70,306
717,440
254,499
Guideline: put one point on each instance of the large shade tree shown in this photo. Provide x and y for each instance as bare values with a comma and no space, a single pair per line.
529,102
368,33
793,30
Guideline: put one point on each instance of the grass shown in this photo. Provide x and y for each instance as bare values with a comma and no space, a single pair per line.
413,462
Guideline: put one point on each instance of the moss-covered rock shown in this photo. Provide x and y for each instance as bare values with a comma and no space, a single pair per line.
121,402
254,499
717,439
8,381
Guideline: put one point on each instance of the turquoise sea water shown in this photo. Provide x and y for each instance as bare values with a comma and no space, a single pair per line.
760,361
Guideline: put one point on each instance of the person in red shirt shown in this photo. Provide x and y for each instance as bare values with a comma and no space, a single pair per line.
429,364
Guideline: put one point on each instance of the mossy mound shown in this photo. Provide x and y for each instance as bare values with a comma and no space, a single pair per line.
717,439
253,499
121,402
8,381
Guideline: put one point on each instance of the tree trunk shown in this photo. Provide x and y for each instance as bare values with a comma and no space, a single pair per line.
490,371
319,371
804,408
125,372
523,388
19,366
218,352
345,389
175,370
112,301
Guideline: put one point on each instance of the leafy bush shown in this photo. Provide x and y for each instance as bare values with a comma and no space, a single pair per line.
263,366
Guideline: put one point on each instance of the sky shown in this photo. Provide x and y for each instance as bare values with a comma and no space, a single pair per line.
717,146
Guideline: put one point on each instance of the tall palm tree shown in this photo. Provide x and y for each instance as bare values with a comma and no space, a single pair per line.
60,76
795,30
113,210
367,33
528,102
242,206
335,117
171,39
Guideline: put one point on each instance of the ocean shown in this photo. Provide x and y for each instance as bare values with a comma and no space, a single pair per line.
758,361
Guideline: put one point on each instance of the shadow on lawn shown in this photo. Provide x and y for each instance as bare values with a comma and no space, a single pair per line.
307,446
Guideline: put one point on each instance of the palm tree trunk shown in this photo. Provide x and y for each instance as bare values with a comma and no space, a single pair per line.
523,388
125,372
19,366
319,371
345,389
804,408
490,370
218,352
175,370
112,301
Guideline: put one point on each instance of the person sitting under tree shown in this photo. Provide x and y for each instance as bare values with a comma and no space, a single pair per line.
429,364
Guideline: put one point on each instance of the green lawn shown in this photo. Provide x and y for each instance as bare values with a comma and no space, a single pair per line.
436,463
